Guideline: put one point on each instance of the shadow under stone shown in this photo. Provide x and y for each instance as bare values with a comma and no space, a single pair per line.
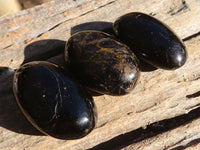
11,116
146,67
43,50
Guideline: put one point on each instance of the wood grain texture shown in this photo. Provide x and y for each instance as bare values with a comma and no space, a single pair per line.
40,34
179,138
56,19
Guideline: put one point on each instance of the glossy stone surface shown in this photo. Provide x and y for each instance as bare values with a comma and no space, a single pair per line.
101,63
53,102
151,40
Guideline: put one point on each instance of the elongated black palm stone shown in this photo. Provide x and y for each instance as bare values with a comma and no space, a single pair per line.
53,102
101,63
151,40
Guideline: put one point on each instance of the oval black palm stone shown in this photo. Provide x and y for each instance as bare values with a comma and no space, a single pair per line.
151,40
101,63
53,102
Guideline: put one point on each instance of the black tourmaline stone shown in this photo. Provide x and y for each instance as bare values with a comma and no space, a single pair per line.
151,40
101,63
53,102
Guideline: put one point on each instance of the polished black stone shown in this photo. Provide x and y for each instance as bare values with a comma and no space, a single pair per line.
151,40
53,102
101,63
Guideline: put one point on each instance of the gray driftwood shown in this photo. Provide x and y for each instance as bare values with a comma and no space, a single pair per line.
40,33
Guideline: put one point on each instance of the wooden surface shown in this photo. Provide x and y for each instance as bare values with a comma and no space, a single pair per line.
163,112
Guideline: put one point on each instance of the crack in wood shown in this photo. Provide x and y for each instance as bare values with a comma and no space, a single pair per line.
191,36
192,143
8,46
142,110
196,94
192,107
183,8
57,25
174,144
62,22
151,130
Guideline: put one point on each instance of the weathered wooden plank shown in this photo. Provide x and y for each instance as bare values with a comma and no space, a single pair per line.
177,139
55,19
159,94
